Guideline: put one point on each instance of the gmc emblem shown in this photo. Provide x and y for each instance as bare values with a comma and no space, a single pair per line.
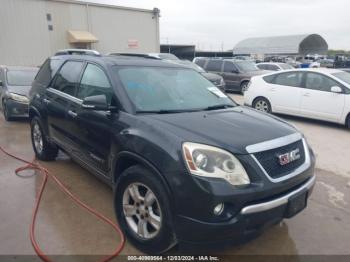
289,157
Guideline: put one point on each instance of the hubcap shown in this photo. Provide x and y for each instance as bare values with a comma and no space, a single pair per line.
142,211
37,138
262,106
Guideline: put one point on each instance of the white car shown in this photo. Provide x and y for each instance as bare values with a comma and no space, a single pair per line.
314,93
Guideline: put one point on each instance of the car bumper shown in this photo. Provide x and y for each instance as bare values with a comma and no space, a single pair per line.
17,109
248,223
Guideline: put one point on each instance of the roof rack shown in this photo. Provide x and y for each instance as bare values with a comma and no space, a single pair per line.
135,55
77,52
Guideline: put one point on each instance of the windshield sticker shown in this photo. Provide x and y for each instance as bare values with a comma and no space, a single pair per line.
216,91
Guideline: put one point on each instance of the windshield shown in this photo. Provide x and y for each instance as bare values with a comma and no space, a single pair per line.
155,89
191,65
20,77
246,66
344,76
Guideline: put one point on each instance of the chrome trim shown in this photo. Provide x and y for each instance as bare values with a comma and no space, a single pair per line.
271,144
296,172
278,201
69,97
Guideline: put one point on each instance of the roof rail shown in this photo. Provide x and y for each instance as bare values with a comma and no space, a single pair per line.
77,52
135,55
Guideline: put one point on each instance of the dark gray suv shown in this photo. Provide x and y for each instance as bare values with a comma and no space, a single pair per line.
186,163
236,73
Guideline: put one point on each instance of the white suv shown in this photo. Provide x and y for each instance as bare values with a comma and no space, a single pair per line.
314,93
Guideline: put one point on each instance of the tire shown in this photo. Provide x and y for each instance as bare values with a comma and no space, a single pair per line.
243,87
152,239
347,122
43,149
262,104
7,115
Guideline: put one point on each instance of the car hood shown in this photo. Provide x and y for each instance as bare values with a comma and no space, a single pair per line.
232,129
20,90
211,76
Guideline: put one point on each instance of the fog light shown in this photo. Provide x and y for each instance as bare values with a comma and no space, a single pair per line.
218,209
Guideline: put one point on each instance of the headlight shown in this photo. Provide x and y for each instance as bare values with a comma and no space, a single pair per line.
209,161
19,98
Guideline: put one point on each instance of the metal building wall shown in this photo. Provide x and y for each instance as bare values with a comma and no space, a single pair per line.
26,40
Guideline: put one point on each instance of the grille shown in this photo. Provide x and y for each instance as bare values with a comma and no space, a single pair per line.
270,161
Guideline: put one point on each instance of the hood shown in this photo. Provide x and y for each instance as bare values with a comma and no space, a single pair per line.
211,76
230,129
20,90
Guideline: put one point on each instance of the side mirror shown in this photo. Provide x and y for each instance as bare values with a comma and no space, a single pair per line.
98,102
235,71
336,89
0,83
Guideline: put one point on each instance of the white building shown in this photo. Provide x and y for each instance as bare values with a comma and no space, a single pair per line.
32,30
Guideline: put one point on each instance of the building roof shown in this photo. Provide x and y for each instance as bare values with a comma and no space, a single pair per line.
289,44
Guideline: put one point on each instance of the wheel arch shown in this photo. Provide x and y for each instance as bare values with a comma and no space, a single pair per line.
126,159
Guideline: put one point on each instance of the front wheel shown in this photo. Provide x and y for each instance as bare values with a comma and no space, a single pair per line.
347,123
262,104
143,211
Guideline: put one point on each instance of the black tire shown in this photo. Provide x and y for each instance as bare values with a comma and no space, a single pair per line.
243,87
48,151
262,104
165,238
347,122
7,115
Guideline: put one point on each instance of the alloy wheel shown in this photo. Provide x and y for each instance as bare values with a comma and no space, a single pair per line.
142,210
262,105
38,138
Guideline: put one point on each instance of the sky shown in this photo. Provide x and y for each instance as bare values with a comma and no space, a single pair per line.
220,24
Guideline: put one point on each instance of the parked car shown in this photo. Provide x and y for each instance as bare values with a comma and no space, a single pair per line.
216,79
328,63
236,73
15,83
166,140
274,66
314,93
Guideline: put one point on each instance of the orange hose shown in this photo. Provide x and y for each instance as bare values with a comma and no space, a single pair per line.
46,174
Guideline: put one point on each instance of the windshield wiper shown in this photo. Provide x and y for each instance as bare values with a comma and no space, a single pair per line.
220,106
163,111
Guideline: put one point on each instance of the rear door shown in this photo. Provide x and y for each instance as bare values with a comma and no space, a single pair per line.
285,91
231,76
214,66
58,98
317,100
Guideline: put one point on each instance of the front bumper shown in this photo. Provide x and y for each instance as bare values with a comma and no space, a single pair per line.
17,109
249,222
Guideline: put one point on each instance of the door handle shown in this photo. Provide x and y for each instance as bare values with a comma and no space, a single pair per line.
46,101
273,89
306,94
72,114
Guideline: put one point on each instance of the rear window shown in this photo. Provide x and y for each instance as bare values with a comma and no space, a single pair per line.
48,71
20,77
214,65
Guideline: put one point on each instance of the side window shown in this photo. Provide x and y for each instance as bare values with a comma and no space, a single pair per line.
262,67
200,62
273,68
319,82
68,77
229,67
288,79
214,65
95,82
